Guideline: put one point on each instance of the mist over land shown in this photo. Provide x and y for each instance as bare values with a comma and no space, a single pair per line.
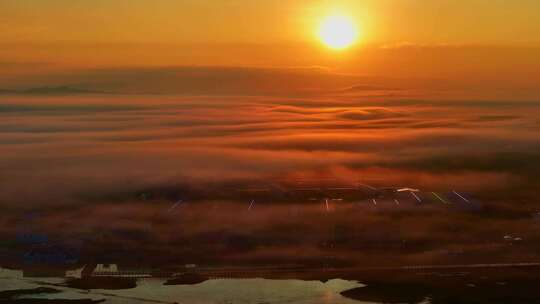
110,166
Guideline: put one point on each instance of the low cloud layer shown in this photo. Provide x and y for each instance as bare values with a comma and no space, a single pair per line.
92,163
71,144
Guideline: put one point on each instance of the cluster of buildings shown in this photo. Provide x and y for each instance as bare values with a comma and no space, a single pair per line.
115,271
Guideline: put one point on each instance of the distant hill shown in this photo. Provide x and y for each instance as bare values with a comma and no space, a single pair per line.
58,90
7,91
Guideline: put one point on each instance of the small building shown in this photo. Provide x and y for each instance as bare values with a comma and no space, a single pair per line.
112,270
105,269
75,273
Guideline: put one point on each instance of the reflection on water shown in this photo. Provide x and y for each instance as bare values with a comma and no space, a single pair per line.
243,291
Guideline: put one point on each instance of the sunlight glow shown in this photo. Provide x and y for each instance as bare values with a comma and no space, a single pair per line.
338,32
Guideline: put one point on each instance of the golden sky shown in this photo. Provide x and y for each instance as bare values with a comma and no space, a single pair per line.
493,42
268,21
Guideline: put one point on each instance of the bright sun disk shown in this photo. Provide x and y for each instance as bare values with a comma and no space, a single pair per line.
338,32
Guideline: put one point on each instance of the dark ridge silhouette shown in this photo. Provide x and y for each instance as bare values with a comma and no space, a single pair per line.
52,90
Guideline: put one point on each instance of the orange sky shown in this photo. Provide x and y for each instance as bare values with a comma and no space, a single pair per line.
268,21
486,42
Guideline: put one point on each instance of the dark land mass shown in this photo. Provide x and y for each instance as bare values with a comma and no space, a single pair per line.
102,283
388,293
8,294
55,90
187,279
457,286
49,301
11,296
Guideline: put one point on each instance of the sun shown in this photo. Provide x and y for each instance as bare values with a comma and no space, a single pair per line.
338,32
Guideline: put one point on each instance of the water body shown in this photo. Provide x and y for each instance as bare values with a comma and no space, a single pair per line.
230,291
